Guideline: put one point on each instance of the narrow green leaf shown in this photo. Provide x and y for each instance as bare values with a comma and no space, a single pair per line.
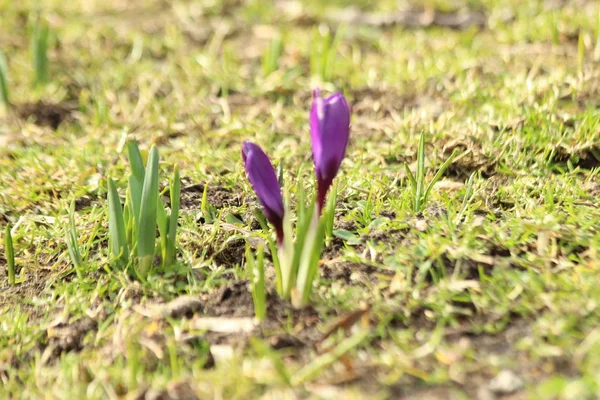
420,175
272,55
129,220
116,225
262,221
260,284
345,235
555,31
175,194
257,281
286,252
72,243
162,220
135,195
10,255
468,197
301,203
205,206
309,239
39,47
299,272
411,178
438,175
315,257
4,90
329,215
260,217
136,161
148,214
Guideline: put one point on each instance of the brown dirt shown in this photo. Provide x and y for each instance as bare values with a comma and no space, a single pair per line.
45,114
235,301
584,158
218,197
412,18
68,337
471,158
375,110
34,284
233,252
174,391
353,273
86,201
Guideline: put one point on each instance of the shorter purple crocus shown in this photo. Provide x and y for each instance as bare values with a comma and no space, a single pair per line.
330,130
263,179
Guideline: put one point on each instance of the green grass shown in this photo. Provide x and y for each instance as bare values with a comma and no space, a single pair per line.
499,272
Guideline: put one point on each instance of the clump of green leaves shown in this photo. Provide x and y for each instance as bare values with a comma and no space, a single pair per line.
39,51
10,255
4,91
296,260
132,228
421,190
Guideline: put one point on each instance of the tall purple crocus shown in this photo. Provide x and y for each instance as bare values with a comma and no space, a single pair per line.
330,130
261,175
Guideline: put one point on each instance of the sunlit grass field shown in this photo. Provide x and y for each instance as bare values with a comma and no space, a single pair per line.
492,291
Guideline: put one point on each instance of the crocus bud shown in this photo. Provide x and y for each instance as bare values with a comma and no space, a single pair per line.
330,130
261,175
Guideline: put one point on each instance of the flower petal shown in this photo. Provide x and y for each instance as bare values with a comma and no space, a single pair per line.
261,175
330,131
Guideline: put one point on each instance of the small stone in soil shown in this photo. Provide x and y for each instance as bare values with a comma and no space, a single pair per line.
506,382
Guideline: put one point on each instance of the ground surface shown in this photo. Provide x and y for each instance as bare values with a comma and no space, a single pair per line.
501,275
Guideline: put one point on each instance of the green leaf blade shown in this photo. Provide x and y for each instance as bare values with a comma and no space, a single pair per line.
116,225
4,90
10,255
175,194
148,214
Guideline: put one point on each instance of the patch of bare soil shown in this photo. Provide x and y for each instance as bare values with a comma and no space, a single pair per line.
31,287
412,18
593,188
233,252
218,197
45,114
381,103
376,110
470,158
584,158
234,301
87,200
353,273
174,391
66,337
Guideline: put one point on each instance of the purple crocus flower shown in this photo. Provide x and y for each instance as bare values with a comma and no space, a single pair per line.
261,175
330,130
